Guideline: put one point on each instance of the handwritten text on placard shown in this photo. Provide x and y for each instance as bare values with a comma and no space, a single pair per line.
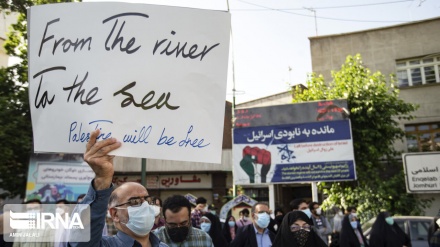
154,77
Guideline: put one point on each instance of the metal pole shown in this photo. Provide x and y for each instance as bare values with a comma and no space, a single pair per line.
143,171
272,198
234,187
314,191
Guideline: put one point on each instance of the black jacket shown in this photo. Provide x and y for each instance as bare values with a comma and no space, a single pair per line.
246,237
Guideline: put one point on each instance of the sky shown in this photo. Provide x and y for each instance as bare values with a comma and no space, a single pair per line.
270,49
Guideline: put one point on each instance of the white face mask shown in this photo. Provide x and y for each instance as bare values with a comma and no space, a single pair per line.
354,215
340,213
156,210
307,212
59,211
35,211
318,211
140,219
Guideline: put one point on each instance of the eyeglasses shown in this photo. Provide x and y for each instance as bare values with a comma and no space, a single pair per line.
137,201
295,227
174,225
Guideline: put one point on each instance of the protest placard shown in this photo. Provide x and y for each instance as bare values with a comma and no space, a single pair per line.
154,77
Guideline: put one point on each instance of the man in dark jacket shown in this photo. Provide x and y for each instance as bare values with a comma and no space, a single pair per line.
256,234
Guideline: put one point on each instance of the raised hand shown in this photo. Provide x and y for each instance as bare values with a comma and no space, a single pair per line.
97,157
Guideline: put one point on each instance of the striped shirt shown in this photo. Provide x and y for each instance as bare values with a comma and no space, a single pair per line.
196,238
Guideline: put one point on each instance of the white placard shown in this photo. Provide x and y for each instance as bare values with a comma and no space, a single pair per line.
422,171
154,77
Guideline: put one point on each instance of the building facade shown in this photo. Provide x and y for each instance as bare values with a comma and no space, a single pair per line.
410,51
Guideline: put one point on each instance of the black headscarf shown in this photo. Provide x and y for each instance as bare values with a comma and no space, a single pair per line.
385,235
347,236
285,237
226,229
278,218
216,231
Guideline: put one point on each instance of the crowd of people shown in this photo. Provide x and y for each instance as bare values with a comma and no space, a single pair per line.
129,216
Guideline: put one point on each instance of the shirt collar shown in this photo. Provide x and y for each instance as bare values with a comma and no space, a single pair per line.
154,240
265,231
125,238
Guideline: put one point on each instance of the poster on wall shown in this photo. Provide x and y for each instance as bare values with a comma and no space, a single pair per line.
52,177
296,152
321,151
129,70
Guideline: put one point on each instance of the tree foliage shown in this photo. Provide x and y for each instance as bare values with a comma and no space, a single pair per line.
374,108
15,120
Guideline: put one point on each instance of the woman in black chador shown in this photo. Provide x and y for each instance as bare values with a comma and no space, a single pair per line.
296,231
386,233
351,234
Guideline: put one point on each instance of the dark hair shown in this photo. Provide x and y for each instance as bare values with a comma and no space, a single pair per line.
349,209
175,203
258,203
157,198
201,200
312,205
33,200
80,197
245,211
294,204
63,201
278,210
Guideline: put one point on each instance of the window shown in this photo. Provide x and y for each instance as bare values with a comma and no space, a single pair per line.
420,71
423,137
259,194
419,229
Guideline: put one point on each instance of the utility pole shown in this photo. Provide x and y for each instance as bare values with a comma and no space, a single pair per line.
316,23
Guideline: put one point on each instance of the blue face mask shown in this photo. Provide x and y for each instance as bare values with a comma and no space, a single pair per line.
231,223
307,211
354,224
205,226
263,220
389,220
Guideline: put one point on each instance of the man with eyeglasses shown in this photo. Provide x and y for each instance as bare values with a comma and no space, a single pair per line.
178,230
129,204
256,234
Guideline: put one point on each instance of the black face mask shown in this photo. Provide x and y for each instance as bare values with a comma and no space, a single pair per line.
178,234
301,237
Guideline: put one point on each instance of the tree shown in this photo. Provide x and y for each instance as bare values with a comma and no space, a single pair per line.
375,109
15,120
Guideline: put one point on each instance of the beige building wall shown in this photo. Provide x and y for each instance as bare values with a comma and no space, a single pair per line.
276,99
380,49
127,164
